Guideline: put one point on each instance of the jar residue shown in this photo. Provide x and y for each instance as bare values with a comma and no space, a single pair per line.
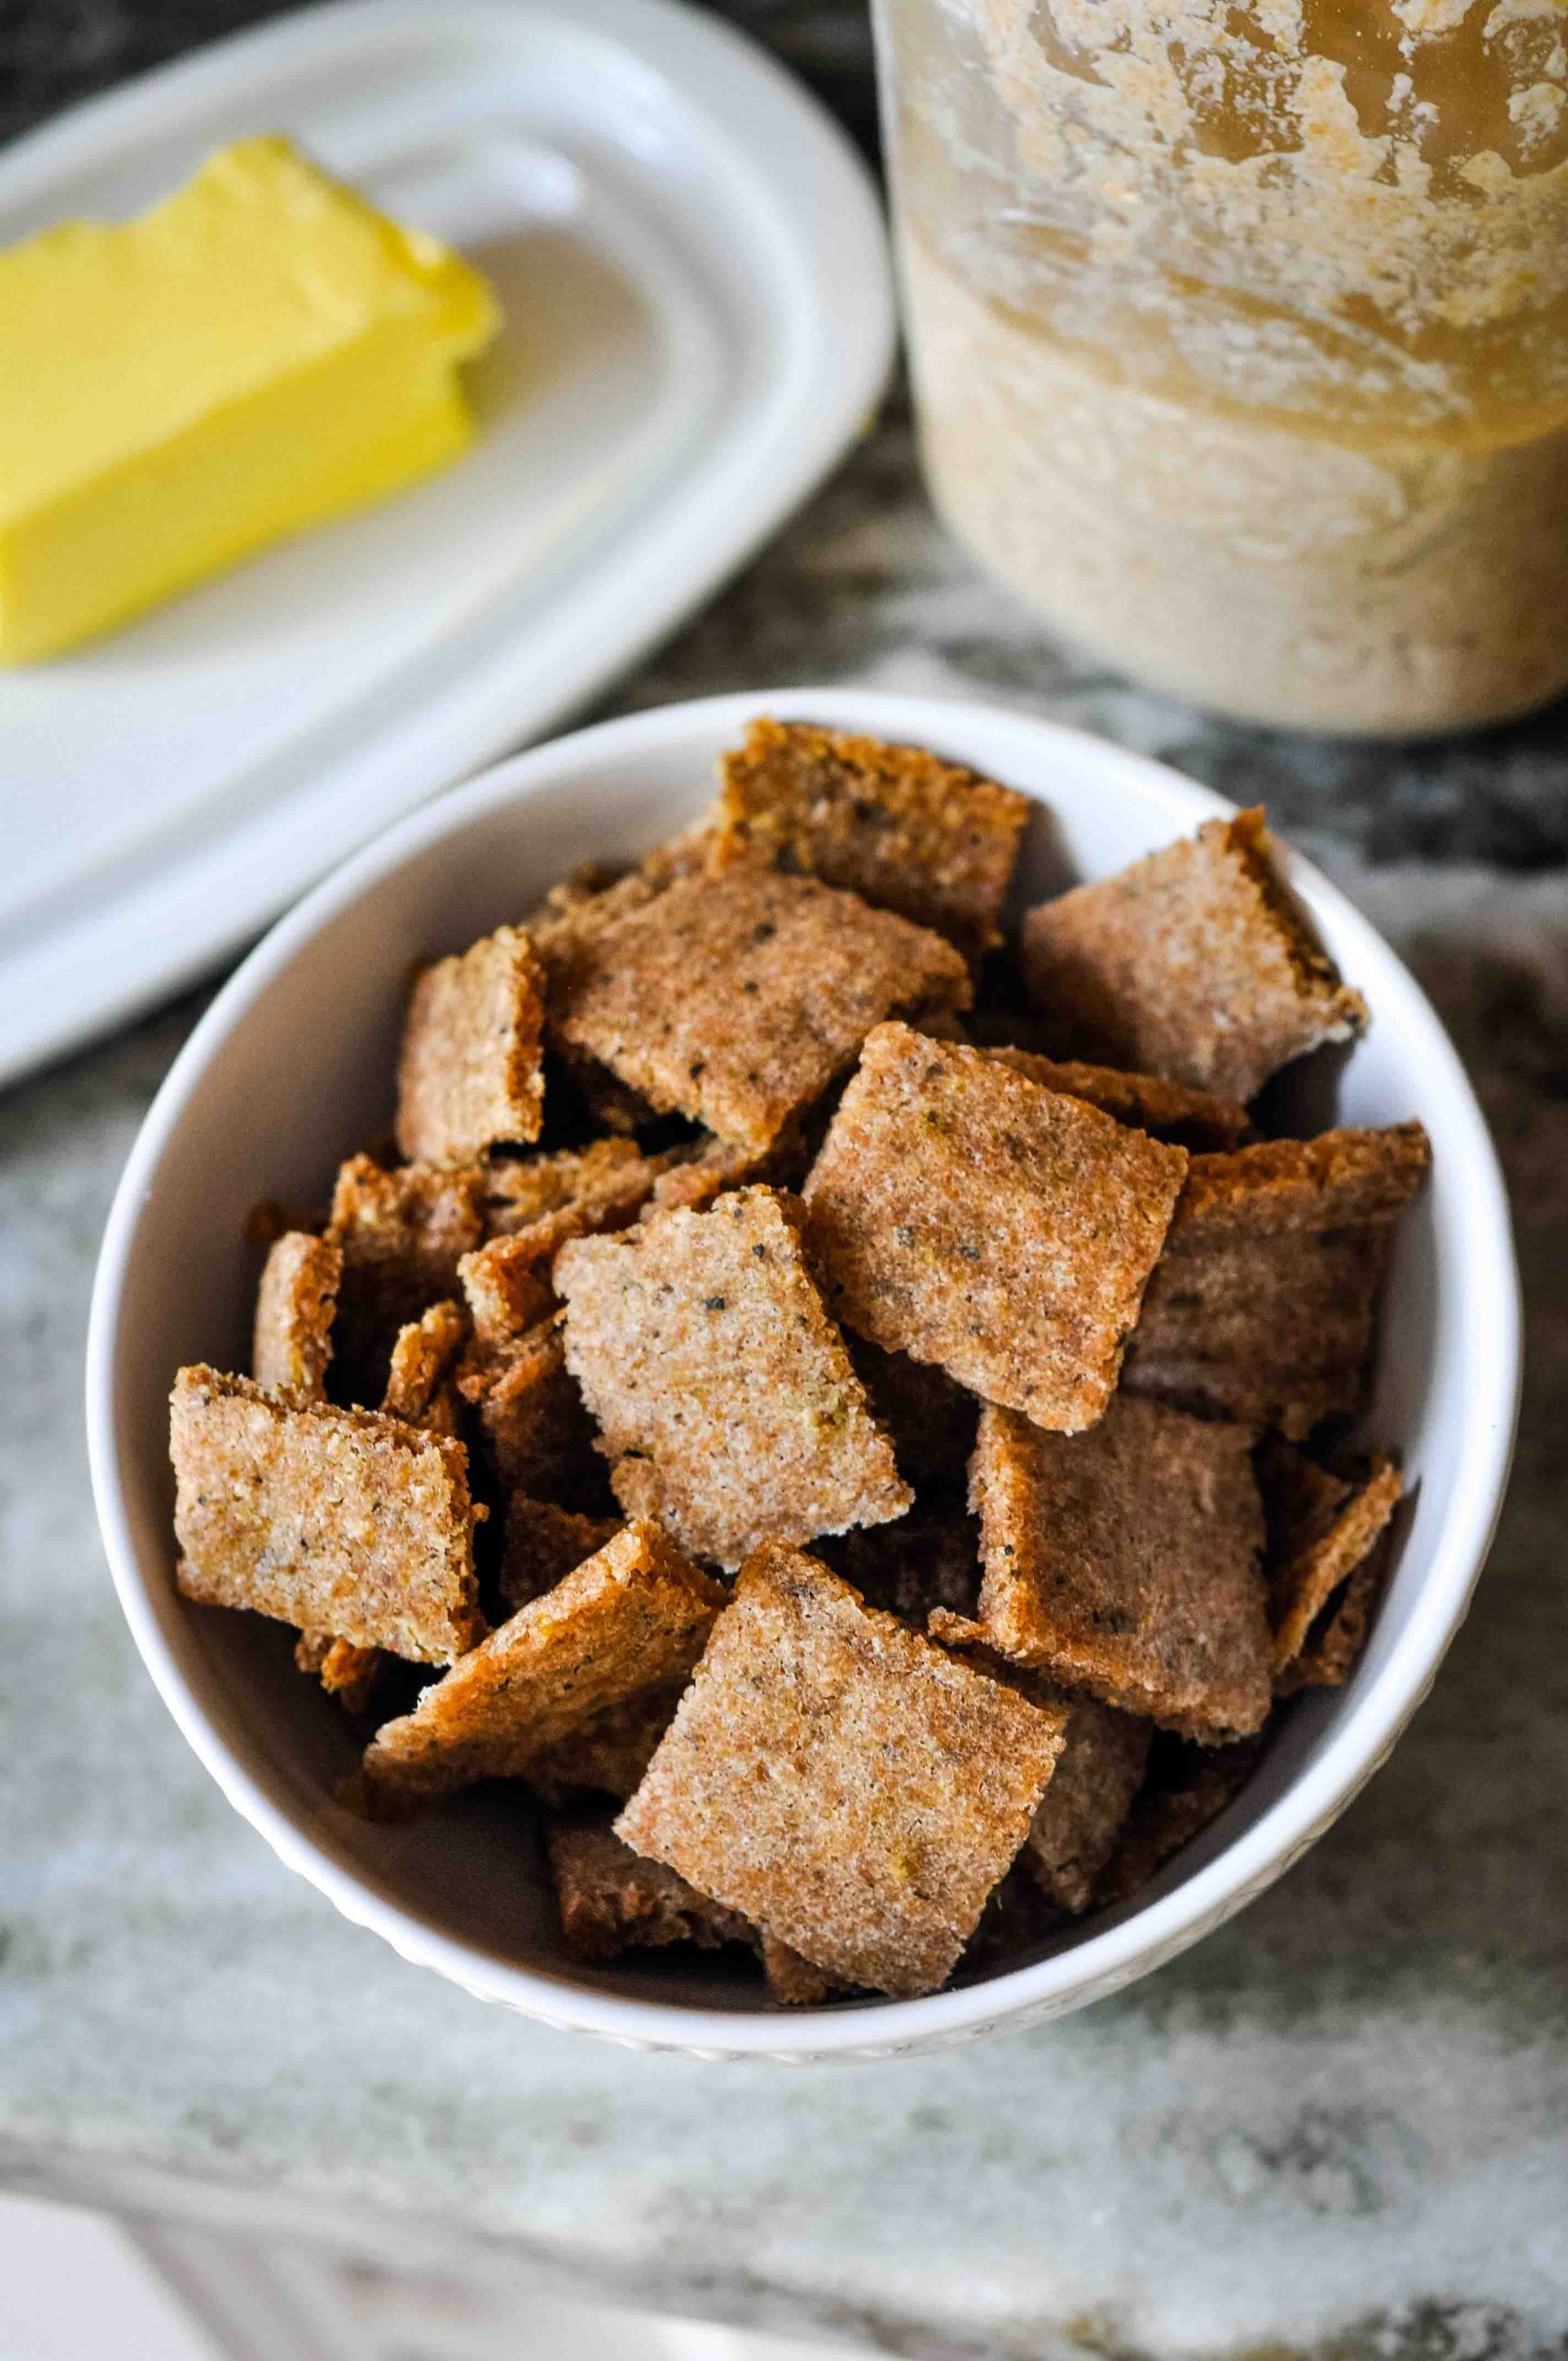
1240,336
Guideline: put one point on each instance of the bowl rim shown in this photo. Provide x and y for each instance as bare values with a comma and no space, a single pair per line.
1144,1938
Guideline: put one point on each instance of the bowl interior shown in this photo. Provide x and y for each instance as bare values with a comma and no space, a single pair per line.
291,1070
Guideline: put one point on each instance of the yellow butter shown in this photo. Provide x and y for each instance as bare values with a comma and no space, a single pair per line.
260,351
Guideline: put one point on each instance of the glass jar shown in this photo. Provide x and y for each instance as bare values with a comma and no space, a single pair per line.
1240,336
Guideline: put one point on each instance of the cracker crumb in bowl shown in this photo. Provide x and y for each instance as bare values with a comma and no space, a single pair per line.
1429,1383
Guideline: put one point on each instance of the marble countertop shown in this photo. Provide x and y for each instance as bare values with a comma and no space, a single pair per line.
1338,2127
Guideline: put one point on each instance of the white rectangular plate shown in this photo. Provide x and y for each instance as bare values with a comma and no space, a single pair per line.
698,320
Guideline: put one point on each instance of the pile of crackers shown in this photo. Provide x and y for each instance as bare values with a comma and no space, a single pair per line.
841,1405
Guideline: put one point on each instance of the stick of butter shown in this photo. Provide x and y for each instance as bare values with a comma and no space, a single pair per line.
260,351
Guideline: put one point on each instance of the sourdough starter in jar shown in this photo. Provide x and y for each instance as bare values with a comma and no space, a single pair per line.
1240,331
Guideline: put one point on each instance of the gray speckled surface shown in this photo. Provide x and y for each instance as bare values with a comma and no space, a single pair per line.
1339,2125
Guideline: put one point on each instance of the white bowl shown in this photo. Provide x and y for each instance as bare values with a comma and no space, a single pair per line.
291,1069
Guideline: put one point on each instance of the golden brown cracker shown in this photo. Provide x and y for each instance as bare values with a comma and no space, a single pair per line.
630,1619
1127,1561
1264,1306
1194,963
932,840
470,1071
738,1002
848,1788
724,1394
338,1521
965,1215
294,1308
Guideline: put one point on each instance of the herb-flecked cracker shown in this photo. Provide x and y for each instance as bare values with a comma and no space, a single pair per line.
724,1392
338,1521
629,1619
738,1000
908,832
847,1787
1263,1307
965,1216
507,1280
1127,1561
470,1071
294,1307
1194,963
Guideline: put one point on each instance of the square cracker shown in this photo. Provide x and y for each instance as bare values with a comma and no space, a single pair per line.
338,1521
402,1232
470,1073
1194,963
932,840
632,1618
1173,1112
1126,1562
738,1002
852,1789
1265,1304
724,1392
1321,1527
294,1306
611,1900
965,1215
